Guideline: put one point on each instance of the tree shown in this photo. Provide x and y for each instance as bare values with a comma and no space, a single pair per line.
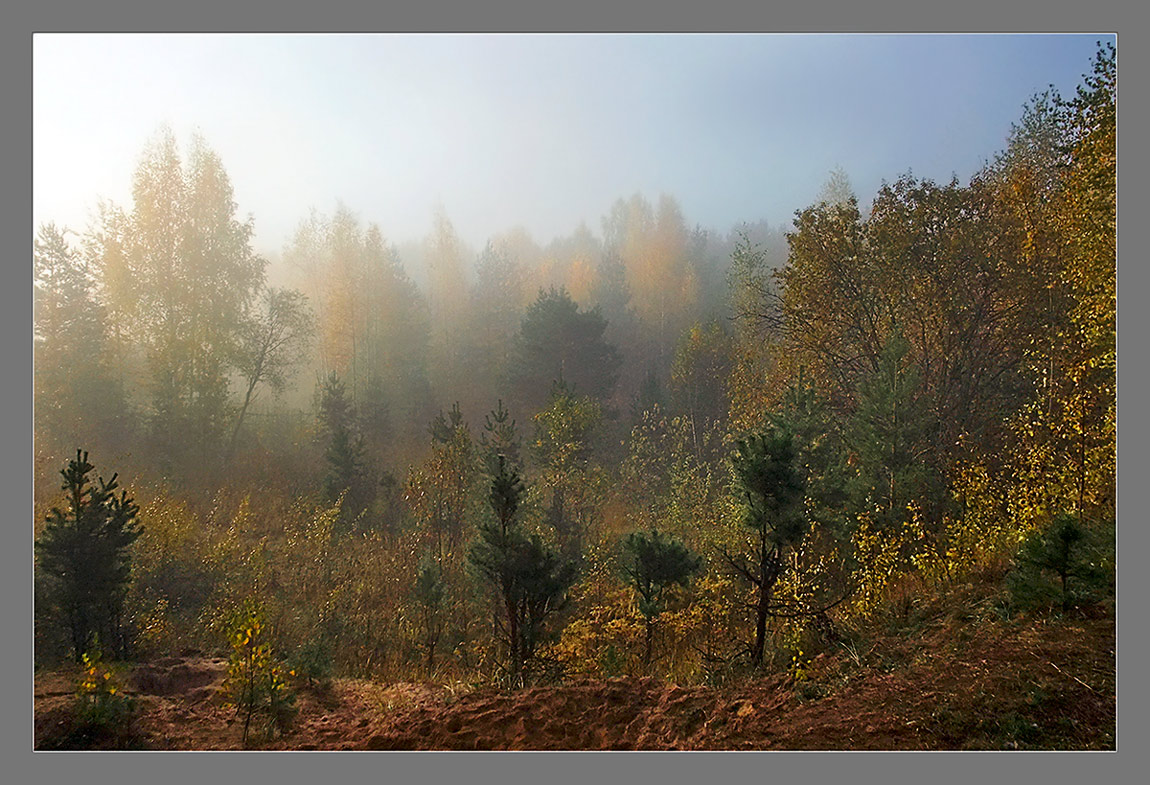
651,565
529,579
1065,548
891,435
563,433
440,491
558,342
345,447
757,314
76,393
805,413
84,550
499,438
270,343
648,398
372,320
653,245
837,189
429,594
699,373
196,277
768,485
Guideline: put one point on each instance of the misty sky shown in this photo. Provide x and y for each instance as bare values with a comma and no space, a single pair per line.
541,131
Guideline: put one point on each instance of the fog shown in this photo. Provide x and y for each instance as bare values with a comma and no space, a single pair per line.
542,132
498,361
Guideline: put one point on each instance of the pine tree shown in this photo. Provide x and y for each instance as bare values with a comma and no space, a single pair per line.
345,447
558,342
429,594
651,565
76,395
84,550
1068,550
891,436
769,486
530,580
499,438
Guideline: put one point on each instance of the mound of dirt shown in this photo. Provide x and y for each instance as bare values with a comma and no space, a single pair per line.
195,678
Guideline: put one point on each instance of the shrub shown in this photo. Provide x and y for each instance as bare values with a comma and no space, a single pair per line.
312,662
256,684
102,707
1065,564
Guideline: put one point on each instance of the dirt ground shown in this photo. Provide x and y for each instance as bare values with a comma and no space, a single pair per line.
939,683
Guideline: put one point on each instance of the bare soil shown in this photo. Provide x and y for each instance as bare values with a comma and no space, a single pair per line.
938,680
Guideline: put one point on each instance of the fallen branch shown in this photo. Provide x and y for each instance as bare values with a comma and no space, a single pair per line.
1080,681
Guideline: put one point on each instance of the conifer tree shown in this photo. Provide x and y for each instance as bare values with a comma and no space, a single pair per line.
429,594
652,564
499,438
530,580
84,550
892,434
345,447
769,486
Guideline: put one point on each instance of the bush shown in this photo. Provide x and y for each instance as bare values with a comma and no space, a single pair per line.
1065,564
256,684
103,709
312,662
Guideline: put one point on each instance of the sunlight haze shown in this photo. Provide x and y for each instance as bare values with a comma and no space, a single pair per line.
539,131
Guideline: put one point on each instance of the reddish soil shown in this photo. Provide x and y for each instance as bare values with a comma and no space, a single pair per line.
943,682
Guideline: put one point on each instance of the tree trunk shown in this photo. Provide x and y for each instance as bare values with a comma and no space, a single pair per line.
240,420
648,637
760,626
513,641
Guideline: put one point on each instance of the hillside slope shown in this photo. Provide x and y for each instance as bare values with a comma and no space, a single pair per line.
940,679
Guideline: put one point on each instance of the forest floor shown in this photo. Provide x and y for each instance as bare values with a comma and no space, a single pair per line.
949,675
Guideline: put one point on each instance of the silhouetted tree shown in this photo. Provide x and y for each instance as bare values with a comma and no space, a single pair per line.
269,344
345,448
76,394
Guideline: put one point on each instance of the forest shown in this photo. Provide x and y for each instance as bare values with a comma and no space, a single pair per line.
650,451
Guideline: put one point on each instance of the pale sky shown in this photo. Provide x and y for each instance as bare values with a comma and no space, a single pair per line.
539,131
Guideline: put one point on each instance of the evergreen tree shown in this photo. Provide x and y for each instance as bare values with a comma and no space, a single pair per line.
768,484
443,427
892,435
649,397
1067,550
651,565
529,579
76,395
557,341
500,439
806,414
84,550
345,446
429,594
